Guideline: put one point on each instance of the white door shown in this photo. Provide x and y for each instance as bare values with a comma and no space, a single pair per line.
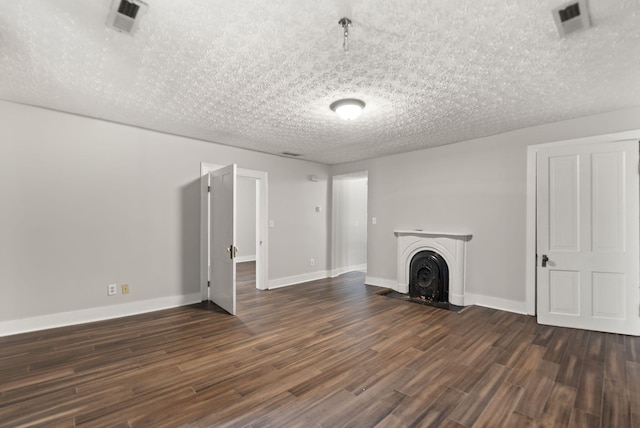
222,290
588,238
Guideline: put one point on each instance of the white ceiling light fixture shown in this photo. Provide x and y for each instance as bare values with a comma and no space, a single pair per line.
348,108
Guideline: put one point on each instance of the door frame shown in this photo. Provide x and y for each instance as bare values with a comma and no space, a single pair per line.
335,250
262,223
531,235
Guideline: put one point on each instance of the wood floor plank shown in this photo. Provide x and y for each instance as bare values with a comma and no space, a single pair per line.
591,387
632,348
559,406
545,335
526,364
424,390
573,359
570,369
616,409
500,408
615,358
393,421
473,405
596,347
521,421
633,374
328,353
557,347
468,378
582,419
515,349
375,411
537,391
440,409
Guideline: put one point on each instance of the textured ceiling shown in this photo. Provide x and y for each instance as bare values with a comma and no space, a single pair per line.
261,74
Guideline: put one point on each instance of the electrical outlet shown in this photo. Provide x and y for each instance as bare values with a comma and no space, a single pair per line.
312,262
374,220
112,289
125,288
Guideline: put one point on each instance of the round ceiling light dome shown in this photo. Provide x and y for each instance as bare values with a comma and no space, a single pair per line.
348,108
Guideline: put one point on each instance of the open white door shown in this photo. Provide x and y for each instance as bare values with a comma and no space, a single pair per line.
588,243
223,238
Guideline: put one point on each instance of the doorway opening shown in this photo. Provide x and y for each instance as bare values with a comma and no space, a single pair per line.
247,224
252,186
349,225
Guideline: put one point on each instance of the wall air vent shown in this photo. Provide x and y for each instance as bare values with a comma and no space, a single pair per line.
125,15
572,16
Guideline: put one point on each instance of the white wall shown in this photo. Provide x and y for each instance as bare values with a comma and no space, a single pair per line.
297,212
349,237
246,219
85,203
476,186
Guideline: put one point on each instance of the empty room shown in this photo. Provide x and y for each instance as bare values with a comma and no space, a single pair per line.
319,214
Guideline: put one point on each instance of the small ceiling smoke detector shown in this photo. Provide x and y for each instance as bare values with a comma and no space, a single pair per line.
572,16
125,15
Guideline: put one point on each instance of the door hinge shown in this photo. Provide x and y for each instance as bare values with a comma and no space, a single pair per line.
209,189
208,283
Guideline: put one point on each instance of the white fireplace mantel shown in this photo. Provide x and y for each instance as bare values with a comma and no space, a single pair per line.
451,246
420,232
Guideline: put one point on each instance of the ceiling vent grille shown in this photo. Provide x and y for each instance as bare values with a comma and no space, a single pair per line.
125,15
571,17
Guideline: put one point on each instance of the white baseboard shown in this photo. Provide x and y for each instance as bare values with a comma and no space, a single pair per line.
381,282
354,268
469,298
82,316
292,280
495,303
242,259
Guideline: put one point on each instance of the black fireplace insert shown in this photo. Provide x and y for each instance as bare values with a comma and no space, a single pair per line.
429,278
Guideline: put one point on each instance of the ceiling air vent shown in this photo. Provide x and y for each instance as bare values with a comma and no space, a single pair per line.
572,16
125,15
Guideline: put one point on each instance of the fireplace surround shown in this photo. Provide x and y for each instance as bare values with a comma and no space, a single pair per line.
451,247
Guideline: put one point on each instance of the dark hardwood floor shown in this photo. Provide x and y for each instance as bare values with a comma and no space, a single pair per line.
325,354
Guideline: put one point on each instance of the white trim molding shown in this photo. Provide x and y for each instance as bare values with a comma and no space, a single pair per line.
381,282
343,270
297,279
63,319
495,303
